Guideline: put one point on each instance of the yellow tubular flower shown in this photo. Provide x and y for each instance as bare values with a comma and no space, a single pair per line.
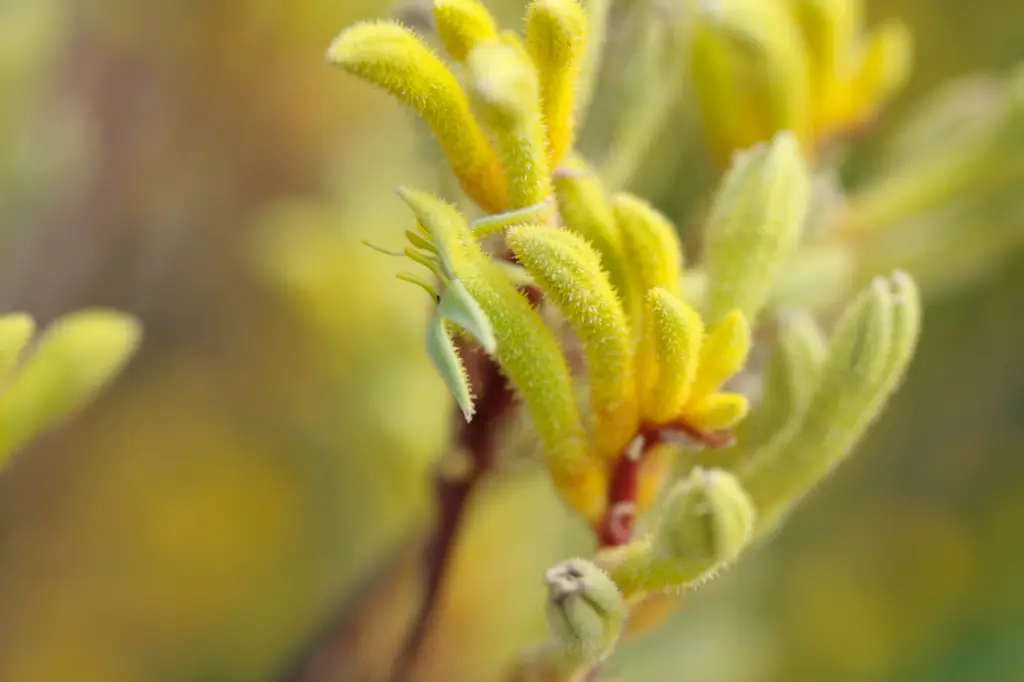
654,259
651,244
678,335
395,59
462,25
525,348
585,210
569,272
505,89
717,411
556,35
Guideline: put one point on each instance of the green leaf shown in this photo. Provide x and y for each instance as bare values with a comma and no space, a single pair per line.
449,365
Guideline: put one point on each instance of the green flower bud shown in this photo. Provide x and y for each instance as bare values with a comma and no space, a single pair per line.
755,225
585,610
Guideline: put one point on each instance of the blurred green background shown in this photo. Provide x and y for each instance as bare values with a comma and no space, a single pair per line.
198,164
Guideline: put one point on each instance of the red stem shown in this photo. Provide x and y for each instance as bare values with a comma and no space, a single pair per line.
619,521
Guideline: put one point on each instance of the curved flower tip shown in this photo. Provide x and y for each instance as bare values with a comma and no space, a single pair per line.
462,25
556,33
398,61
585,610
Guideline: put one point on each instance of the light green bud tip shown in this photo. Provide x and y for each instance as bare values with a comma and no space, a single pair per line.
585,610
708,518
755,225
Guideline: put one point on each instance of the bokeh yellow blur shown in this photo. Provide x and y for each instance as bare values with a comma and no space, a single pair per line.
266,457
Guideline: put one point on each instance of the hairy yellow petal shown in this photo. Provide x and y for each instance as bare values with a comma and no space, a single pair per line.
654,259
585,210
723,354
568,271
507,94
395,59
556,36
717,411
678,333
462,25
883,71
651,244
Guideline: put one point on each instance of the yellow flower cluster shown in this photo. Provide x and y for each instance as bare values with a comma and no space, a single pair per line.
611,265
763,66
658,359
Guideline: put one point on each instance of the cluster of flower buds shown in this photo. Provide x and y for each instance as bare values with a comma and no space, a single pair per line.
662,351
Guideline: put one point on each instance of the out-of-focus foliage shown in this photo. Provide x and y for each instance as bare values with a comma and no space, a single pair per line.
70,362
269,447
